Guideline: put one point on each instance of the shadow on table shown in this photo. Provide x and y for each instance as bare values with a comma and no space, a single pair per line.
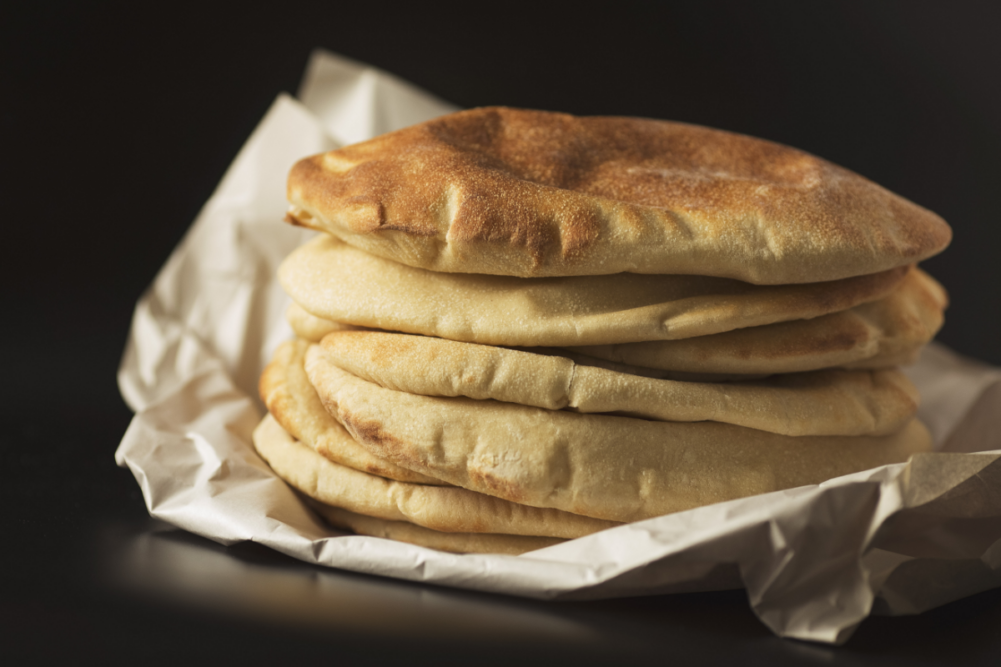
381,618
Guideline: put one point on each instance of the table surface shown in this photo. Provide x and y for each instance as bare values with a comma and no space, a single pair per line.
117,127
83,559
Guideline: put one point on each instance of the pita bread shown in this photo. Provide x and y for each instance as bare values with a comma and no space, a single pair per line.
531,193
293,403
312,328
819,403
642,371
444,509
608,467
402,531
880,334
334,281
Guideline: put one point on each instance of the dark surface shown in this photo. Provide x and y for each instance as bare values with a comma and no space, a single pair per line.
115,127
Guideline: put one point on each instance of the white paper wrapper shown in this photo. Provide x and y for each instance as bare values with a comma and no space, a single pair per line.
815,560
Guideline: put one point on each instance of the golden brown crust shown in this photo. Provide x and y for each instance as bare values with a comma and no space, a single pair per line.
531,193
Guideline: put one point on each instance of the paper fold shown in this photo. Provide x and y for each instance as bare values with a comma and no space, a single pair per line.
815,560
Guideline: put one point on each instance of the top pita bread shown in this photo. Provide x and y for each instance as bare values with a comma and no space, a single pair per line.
531,193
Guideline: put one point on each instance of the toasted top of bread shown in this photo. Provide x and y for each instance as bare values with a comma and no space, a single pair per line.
532,193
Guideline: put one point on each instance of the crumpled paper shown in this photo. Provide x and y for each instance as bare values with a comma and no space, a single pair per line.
815,560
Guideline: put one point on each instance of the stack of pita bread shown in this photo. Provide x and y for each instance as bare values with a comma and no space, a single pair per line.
521,327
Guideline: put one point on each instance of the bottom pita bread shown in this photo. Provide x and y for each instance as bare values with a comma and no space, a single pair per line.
401,531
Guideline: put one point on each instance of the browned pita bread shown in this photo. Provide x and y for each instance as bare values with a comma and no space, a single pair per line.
531,193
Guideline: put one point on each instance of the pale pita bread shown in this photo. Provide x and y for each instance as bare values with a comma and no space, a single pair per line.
312,328
402,531
658,373
819,403
531,193
609,467
293,402
444,509
881,334
334,281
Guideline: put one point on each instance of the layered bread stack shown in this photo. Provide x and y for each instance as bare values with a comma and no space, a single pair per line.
520,327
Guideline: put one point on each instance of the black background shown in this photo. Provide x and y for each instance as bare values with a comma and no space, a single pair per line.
117,120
